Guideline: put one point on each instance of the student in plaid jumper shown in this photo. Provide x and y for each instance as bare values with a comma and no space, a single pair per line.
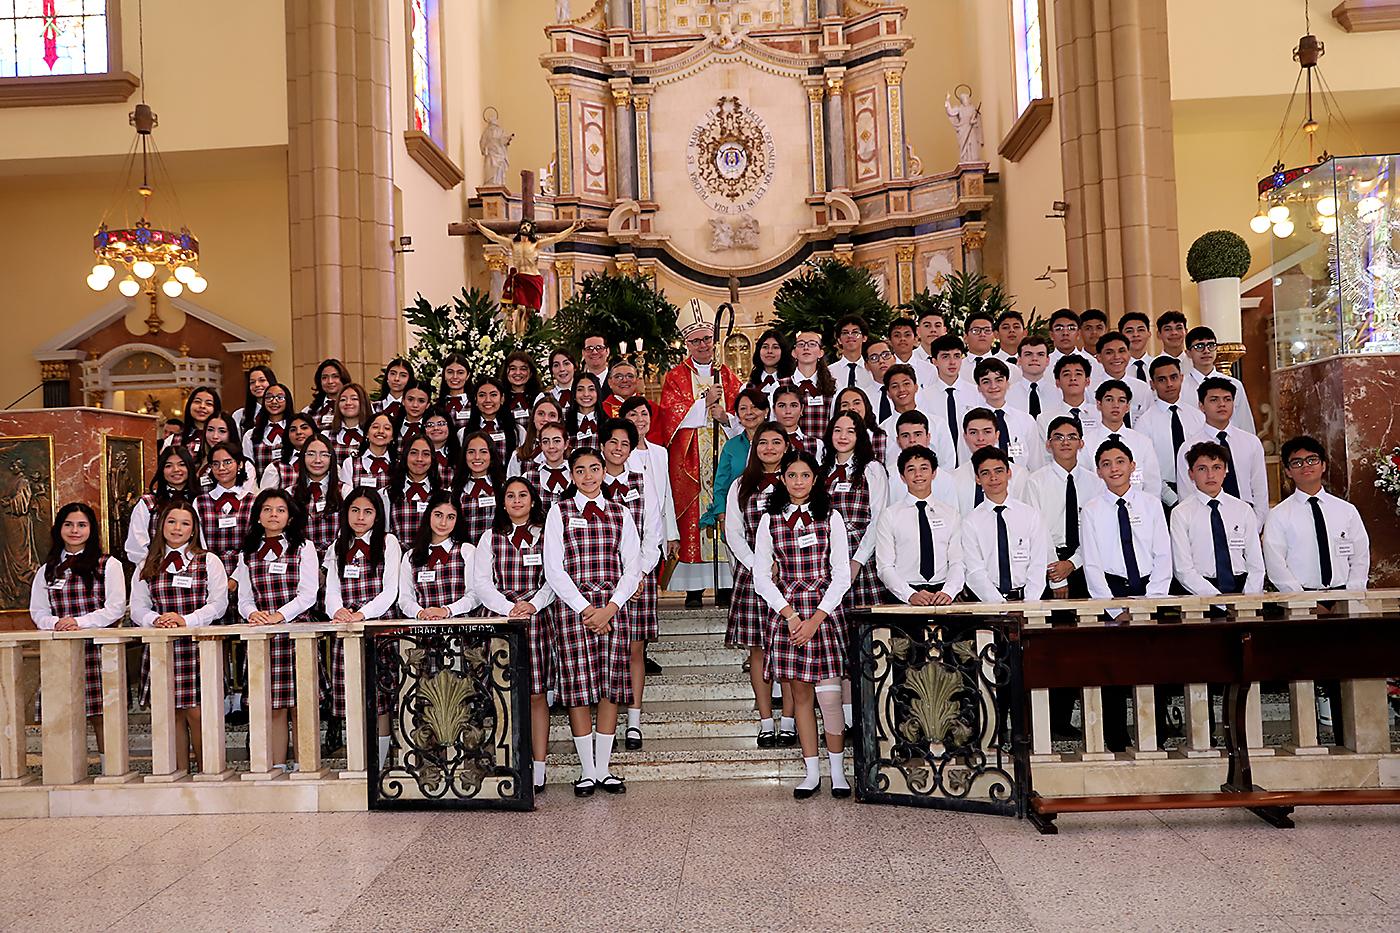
265,437
414,481
282,472
79,587
256,382
447,452
477,483
581,417
277,581
508,578
331,376
409,420
855,400
592,560
549,471
523,385
563,370
546,411
748,615
181,585
789,410
174,479
654,463
493,419
347,429
812,378
434,575
219,430
317,493
200,405
223,511
802,571
398,376
362,582
638,617
455,399
374,463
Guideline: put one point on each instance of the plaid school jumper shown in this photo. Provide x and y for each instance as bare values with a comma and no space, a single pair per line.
459,411
369,470
478,505
71,600
639,615
167,597
587,433
354,593
346,443
850,495
748,613
592,666
223,518
501,439
816,409
266,453
446,470
406,512
449,582
323,523
516,582
802,575
549,482
272,591
287,474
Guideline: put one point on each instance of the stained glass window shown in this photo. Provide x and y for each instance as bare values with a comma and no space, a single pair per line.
419,25
1030,52
52,37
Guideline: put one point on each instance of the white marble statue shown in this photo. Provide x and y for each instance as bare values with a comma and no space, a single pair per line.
721,235
746,232
562,13
495,142
966,118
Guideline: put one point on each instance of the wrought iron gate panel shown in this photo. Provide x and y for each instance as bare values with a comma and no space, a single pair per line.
460,719
939,711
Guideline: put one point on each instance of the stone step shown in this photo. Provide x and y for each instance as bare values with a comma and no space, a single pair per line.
683,724
660,763
679,683
693,627
690,651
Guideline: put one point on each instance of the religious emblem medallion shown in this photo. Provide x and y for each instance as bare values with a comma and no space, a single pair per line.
731,157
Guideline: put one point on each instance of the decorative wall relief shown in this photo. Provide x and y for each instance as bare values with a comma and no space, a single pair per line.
595,160
728,234
867,134
122,464
731,157
26,514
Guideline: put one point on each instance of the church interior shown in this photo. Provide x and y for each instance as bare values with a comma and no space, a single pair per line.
318,167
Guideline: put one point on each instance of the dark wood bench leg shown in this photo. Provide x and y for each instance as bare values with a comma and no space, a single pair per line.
1241,777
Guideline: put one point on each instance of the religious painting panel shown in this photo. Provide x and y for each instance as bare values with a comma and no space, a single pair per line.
595,153
122,467
865,105
26,514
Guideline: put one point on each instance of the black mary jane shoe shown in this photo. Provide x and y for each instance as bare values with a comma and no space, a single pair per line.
803,793
633,740
767,739
840,793
694,599
787,738
539,789
584,787
612,784
652,667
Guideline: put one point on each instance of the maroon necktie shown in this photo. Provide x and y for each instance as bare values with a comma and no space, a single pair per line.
271,549
438,557
393,409
480,488
565,396
378,466
810,390
522,537
351,436
174,563
417,492
588,424
767,481
555,480
768,380
226,502
838,475
799,519
614,488
489,425
440,459
456,404
358,551
794,443
591,512
316,492
274,433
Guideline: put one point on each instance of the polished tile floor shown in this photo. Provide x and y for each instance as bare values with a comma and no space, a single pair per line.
711,857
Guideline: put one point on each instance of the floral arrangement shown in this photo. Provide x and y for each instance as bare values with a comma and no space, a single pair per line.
1388,474
473,326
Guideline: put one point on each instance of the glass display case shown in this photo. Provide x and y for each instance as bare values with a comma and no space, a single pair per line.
1336,233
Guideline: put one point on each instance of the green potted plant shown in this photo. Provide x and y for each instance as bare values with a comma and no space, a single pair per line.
1216,262
823,292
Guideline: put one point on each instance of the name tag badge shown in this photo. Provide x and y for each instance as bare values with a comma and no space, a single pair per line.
533,560
228,521
325,419
182,581
935,522
60,583
1021,554
808,540
519,413
498,436
351,572
375,481
1344,549
427,576
318,505
578,522
485,500
421,506
1134,519
841,487
277,567
633,495
1136,478
1237,542
1015,451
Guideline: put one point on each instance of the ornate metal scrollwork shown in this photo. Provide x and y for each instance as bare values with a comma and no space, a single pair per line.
459,725
938,702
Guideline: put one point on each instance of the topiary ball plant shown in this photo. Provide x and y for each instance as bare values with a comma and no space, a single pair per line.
1219,254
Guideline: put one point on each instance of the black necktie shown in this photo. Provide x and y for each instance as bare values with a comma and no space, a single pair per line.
1125,537
1232,482
851,377
885,410
1003,552
1324,548
953,417
1035,401
1074,413
1141,370
1071,514
1224,570
1178,432
1003,434
925,543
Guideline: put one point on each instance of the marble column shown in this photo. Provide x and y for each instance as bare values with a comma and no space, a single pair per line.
1116,154
619,14
836,130
340,187
817,130
641,106
624,132
830,8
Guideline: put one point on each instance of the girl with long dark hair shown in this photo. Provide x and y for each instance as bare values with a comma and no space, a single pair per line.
265,439
398,376
522,384
447,450
416,404
331,377
812,378
545,411
581,418
455,396
201,405
854,399
281,473
435,577
224,509
372,464
255,380
219,430
493,419
347,428
476,487
174,479
772,362
317,493
563,369
548,471
412,485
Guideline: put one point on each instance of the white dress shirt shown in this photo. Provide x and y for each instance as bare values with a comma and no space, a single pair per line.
1046,491
271,477
842,369
109,613
143,611
1193,545
925,373
1103,548
1018,394
1247,454
1147,476
969,367
877,482
740,548
138,533
1157,425
1290,544
898,554
388,593
308,585
559,580
483,576
1243,418
408,577
1027,539
1146,361
940,441
839,558
1140,397
653,461
1089,361
1088,416
965,486
943,490
1027,442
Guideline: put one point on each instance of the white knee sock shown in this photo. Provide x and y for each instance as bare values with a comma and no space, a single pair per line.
383,751
603,753
814,773
634,717
765,725
838,774
787,724
777,690
539,773
583,744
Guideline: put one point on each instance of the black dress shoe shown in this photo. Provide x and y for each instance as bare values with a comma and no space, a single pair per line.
584,787
802,793
787,738
539,789
840,793
722,597
652,667
694,599
612,784
767,739
632,742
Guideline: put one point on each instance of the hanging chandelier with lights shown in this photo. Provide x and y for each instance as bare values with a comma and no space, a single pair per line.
149,255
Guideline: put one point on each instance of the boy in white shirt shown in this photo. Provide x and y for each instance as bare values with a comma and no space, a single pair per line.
1201,348
1170,421
1005,546
918,542
1017,435
1035,392
1247,477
